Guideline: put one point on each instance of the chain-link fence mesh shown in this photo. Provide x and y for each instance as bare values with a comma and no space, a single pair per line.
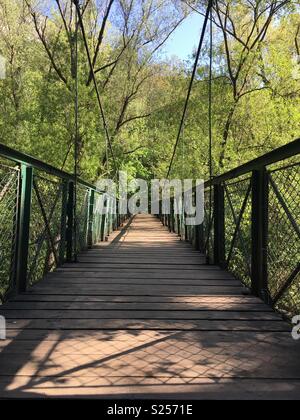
82,213
105,218
98,218
283,237
9,186
38,220
208,224
237,213
45,227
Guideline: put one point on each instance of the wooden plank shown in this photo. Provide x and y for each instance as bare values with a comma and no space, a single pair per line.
134,266
103,337
152,388
131,324
193,275
201,300
96,341
170,258
130,357
141,314
136,291
143,282
149,306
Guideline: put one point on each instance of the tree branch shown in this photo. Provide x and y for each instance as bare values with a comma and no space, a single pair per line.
100,38
41,34
132,119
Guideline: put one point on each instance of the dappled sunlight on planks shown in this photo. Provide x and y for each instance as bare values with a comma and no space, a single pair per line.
124,329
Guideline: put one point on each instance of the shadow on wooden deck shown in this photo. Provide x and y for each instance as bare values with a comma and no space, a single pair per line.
143,317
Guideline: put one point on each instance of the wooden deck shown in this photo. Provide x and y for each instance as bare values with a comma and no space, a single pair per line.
142,316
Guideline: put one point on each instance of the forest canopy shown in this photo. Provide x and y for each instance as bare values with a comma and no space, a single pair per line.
255,84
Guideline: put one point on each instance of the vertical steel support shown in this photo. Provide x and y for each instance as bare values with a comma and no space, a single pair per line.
186,230
117,218
103,224
199,237
70,222
172,227
169,222
259,233
63,223
23,228
91,218
178,225
219,226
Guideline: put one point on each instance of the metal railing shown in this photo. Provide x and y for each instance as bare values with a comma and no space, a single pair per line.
37,223
251,225
253,228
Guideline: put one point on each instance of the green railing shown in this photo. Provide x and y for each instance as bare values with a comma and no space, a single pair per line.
252,226
37,220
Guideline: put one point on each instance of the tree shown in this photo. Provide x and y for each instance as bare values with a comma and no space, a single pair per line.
244,25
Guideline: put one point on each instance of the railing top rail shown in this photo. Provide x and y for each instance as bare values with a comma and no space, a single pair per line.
281,153
277,155
22,158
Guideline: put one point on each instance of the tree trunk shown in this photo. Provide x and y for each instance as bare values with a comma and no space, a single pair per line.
226,135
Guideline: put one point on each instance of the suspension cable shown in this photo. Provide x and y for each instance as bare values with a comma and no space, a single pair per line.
210,96
210,99
76,145
209,7
107,136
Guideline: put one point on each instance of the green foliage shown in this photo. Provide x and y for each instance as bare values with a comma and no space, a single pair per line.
142,94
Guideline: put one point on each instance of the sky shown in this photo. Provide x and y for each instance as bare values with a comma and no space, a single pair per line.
185,39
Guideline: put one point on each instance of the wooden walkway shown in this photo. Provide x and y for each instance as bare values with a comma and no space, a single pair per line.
142,316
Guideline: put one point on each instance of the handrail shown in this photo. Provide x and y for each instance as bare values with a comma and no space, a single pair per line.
22,158
281,153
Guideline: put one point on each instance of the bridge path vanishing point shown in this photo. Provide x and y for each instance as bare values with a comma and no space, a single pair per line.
143,316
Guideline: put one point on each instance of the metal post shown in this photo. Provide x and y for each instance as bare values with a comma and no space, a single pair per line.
63,223
259,232
24,228
70,222
178,224
219,226
91,218
197,237
118,222
172,227
103,224
201,238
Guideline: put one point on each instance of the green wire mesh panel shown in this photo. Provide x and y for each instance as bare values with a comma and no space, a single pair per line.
9,185
179,217
176,216
283,238
45,227
110,216
98,219
208,224
237,209
82,217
